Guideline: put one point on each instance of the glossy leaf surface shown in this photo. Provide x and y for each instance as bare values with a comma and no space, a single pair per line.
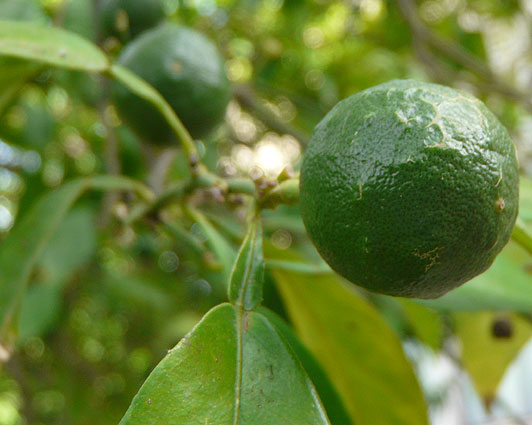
336,410
49,45
247,276
232,368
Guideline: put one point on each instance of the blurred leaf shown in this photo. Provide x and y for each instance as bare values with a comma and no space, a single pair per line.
223,250
425,322
490,341
39,310
72,246
525,198
361,354
247,277
506,285
13,75
522,235
49,45
299,267
336,411
185,238
233,368
22,10
25,244
79,17
21,249
137,290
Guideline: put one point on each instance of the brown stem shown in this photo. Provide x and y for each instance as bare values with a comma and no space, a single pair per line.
246,98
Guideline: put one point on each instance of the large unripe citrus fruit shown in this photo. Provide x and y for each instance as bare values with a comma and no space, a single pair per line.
186,68
126,19
409,188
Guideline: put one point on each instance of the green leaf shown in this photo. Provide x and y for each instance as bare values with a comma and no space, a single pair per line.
13,75
425,322
24,245
232,368
247,276
299,266
525,198
336,411
522,235
506,285
72,246
223,250
361,354
51,46
485,355
39,310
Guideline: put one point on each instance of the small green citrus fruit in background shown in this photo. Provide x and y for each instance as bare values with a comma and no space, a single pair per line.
125,19
186,68
409,189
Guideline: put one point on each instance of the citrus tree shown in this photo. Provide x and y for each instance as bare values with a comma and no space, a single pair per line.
188,174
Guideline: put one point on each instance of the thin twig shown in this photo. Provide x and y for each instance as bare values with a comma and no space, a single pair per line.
423,35
248,100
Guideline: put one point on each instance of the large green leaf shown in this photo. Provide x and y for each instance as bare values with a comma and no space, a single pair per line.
336,410
232,368
506,285
49,45
24,245
361,354
490,341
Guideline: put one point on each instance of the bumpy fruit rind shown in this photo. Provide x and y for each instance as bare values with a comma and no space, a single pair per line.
409,189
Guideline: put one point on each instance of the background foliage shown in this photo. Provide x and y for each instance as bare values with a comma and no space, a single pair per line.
107,299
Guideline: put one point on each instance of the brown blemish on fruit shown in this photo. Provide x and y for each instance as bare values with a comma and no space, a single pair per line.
432,255
499,204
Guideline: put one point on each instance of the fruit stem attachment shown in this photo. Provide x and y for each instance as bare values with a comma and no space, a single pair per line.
286,192
145,91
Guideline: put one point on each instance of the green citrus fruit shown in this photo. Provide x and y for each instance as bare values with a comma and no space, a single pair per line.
186,68
126,19
409,189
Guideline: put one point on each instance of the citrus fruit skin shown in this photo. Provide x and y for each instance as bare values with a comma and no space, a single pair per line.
125,19
409,189
186,68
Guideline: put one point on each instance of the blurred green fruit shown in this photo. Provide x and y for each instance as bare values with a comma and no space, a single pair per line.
186,68
125,19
